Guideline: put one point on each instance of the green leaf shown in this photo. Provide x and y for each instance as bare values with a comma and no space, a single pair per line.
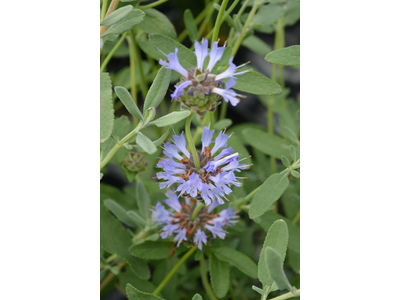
158,89
127,100
266,17
115,239
222,64
152,250
269,218
275,269
157,22
142,199
267,143
136,218
236,143
145,143
219,271
270,191
106,107
126,276
289,56
190,25
222,124
119,212
258,290
131,20
285,161
257,45
134,294
117,16
295,173
162,139
197,297
256,83
171,118
277,238
167,45
238,259
292,12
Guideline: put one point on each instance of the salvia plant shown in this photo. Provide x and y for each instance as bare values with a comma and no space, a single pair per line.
193,204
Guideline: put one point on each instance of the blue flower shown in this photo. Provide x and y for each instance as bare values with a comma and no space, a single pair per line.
199,88
176,222
218,165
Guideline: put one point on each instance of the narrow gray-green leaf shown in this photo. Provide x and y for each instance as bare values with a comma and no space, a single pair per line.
158,89
256,83
275,269
152,250
127,100
238,259
257,45
171,118
156,22
293,152
222,124
136,218
289,56
190,25
117,15
162,139
115,239
270,191
146,144
106,107
267,143
167,45
142,199
131,20
197,297
219,271
134,294
277,238
119,212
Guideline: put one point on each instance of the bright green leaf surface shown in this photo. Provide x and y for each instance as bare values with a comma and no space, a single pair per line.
270,191
158,89
106,107
127,100
277,238
145,143
115,239
219,271
167,45
157,22
131,20
256,83
135,294
171,118
117,16
238,259
197,297
289,56
152,250
275,269
266,143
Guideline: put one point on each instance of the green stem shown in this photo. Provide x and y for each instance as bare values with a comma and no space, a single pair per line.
296,218
245,27
131,45
103,10
289,295
207,18
173,271
235,20
211,115
153,4
197,210
224,108
192,146
218,22
143,85
198,19
204,279
110,55
119,144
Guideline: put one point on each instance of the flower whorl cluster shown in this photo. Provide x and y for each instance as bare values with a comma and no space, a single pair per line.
218,165
178,222
200,89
